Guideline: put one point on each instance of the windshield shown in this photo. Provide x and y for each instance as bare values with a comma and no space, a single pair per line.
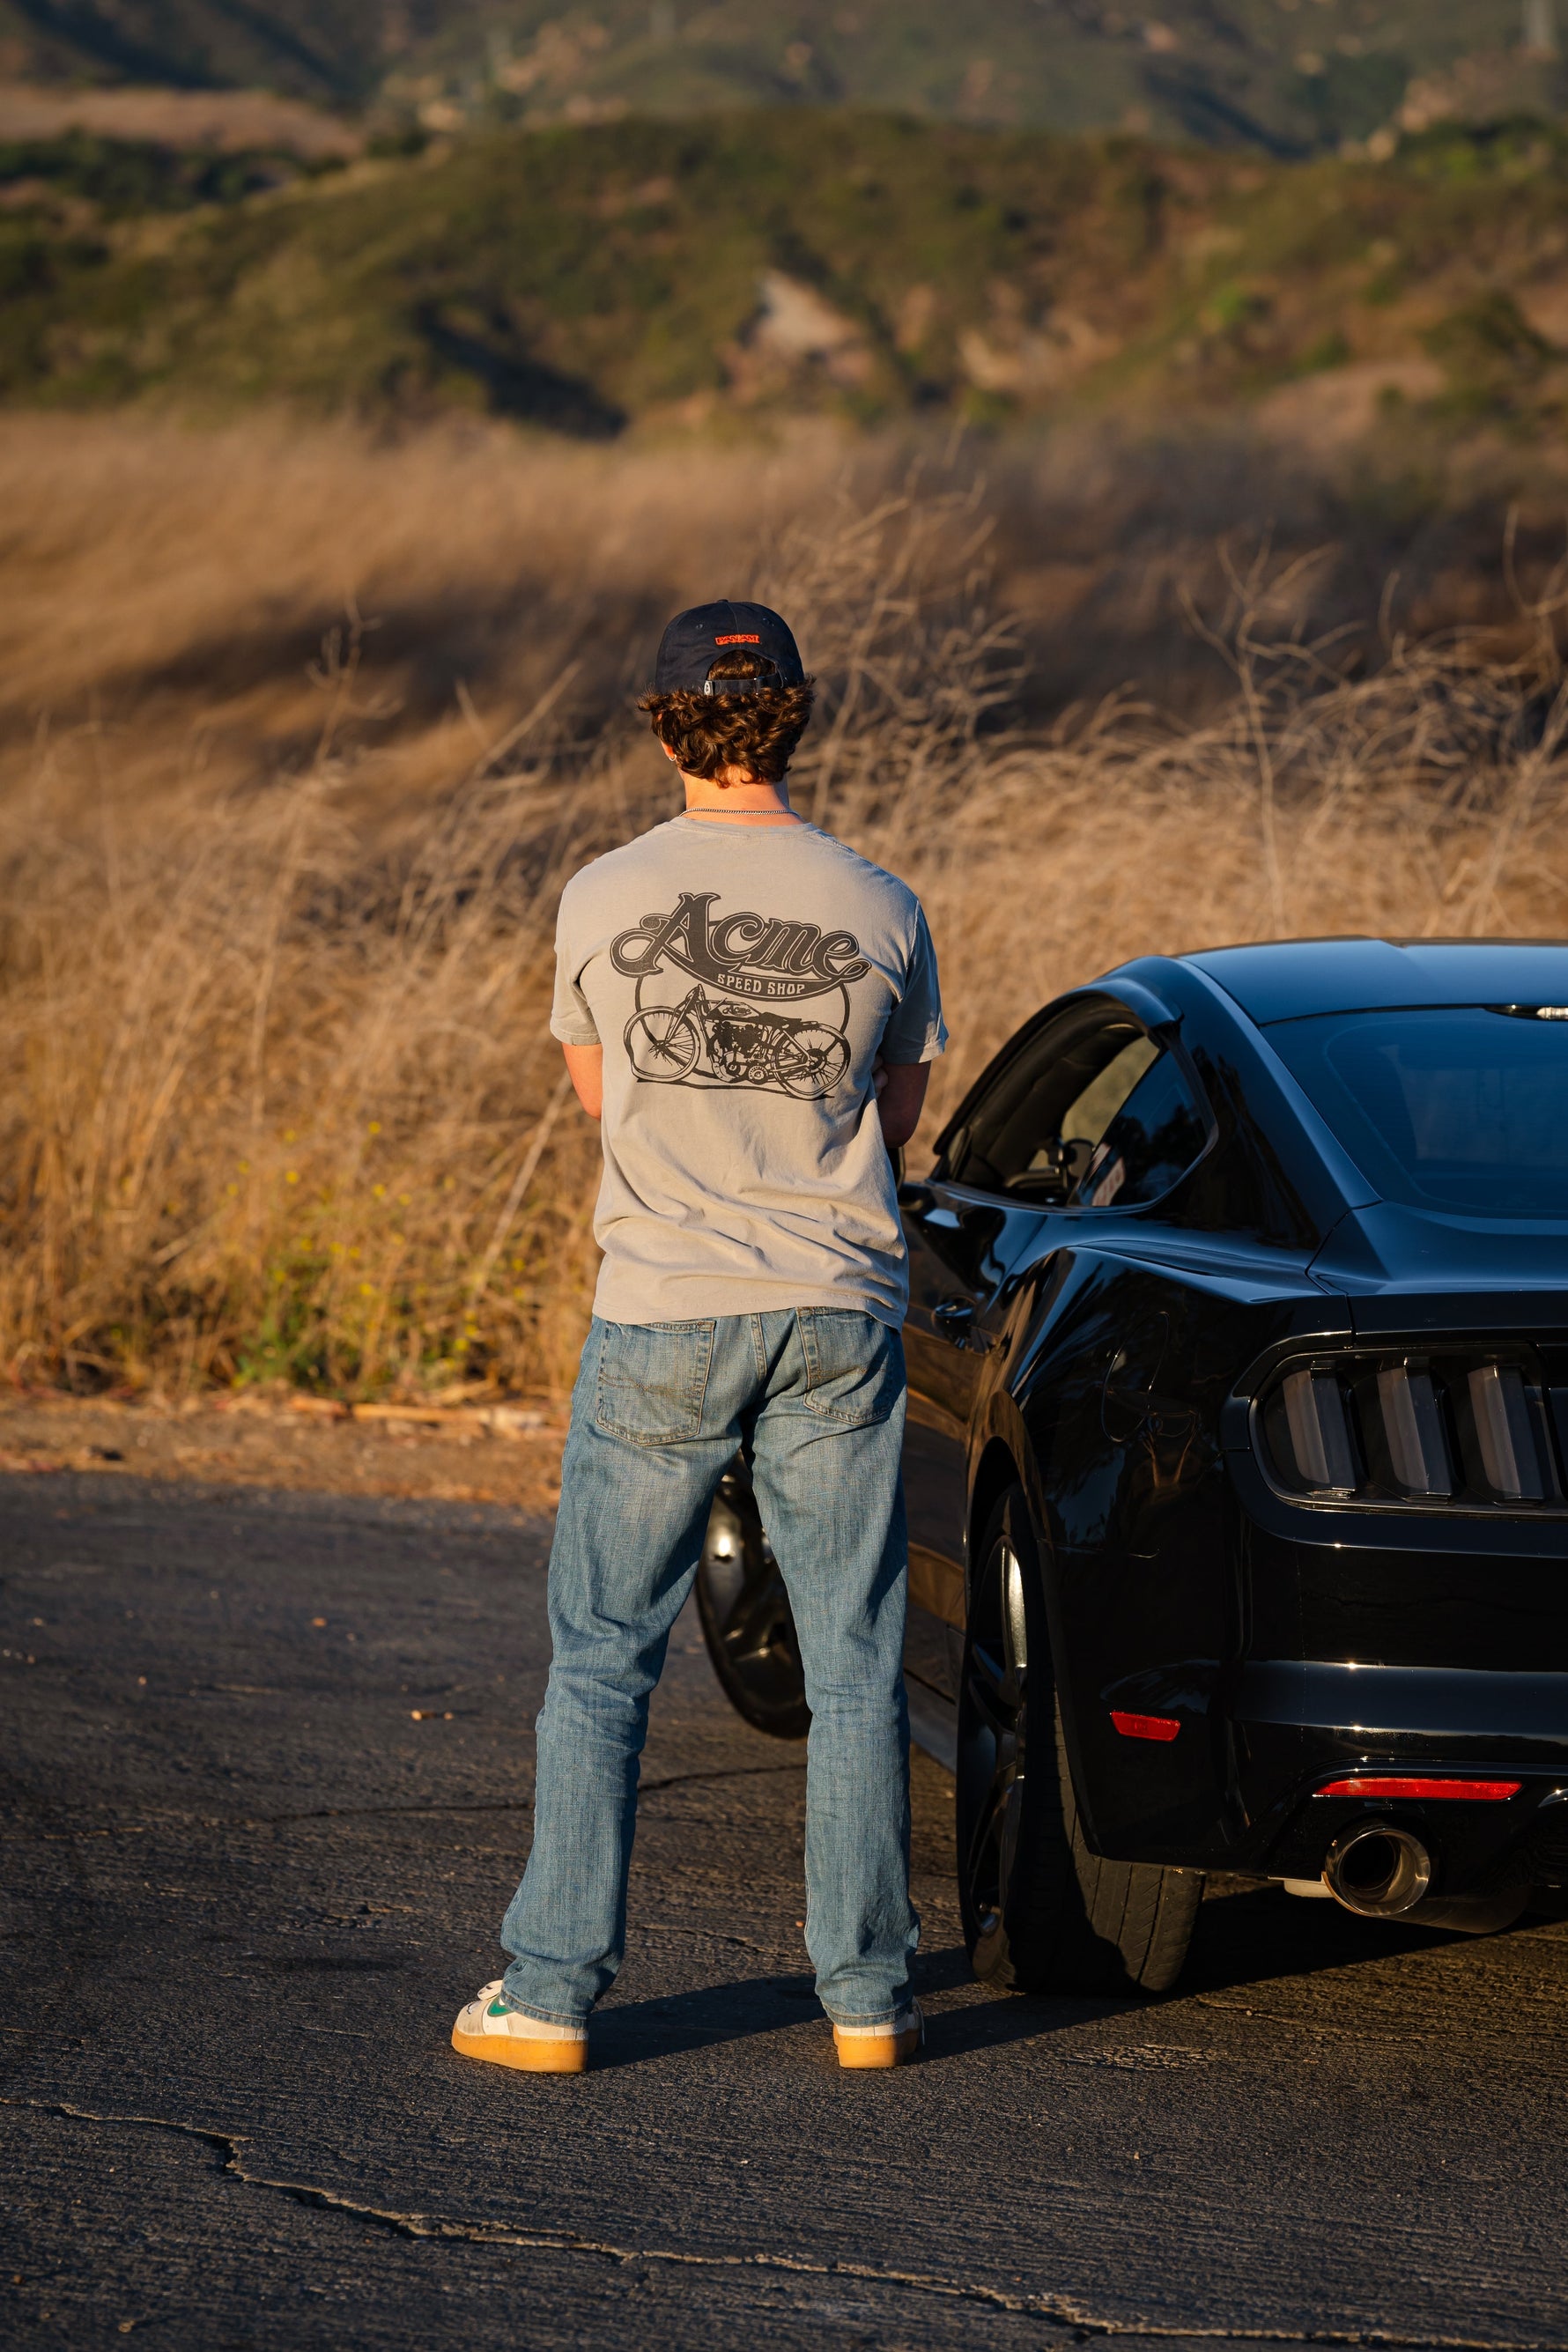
1455,1108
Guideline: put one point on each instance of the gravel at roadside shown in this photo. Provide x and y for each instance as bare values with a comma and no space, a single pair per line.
477,1453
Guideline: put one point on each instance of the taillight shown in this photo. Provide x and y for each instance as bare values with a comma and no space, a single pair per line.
1462,1427
1412,1430
1317,1433
1505,1440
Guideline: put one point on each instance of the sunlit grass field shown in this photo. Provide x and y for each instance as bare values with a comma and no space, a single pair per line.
301,734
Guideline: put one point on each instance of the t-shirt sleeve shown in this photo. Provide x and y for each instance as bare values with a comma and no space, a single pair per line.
570,1017
916,1031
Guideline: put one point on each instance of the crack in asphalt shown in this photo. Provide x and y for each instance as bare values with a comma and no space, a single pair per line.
374,1813
501,1804
1058,2311
719,1773
711,1935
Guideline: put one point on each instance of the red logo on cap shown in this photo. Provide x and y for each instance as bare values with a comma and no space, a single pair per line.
738,641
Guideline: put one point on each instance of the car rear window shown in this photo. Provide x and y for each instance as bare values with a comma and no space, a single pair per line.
1456,1108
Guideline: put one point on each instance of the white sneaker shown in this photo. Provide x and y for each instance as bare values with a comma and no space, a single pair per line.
892,2044
487,2027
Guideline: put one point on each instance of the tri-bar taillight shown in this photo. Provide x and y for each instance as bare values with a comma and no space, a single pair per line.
1469,1428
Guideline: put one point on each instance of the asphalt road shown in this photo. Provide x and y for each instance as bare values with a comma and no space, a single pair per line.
245,1892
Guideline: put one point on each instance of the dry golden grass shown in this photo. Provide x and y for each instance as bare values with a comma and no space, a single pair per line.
167,593
279,1101
224,119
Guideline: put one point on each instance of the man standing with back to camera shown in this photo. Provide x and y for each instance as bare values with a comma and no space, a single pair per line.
732,989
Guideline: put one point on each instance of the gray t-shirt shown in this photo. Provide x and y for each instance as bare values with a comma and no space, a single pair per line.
742,980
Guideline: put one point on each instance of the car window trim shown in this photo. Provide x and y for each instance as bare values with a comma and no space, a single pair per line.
1168,1043
1146,1010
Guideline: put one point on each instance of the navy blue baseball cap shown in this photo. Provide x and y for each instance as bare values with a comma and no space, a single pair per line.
695,640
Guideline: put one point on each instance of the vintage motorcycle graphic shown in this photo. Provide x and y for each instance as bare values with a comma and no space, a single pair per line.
738,1037
739,1045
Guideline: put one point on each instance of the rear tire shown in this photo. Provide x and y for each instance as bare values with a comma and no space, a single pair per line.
1041,1912
747,1622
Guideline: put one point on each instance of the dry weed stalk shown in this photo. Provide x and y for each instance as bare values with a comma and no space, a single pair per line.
278,1097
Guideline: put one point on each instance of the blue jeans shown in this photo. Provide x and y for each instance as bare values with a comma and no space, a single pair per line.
816,1396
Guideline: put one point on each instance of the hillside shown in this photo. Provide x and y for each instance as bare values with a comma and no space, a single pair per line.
1288,76
587,279
324,49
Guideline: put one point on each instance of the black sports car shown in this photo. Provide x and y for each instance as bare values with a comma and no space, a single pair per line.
1237,1453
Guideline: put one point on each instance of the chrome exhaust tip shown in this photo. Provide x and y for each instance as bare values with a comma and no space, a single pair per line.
1377,1869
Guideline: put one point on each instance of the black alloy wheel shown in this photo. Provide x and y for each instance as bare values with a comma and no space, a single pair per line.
993,1755
1041,1912
747,1621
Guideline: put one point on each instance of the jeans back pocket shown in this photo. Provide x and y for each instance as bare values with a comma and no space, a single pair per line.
854,1364
653,1379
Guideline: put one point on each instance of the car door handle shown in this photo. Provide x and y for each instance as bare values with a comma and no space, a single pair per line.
954,1321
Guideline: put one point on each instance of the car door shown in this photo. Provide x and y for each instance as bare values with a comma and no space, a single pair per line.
1030,1143
960,1246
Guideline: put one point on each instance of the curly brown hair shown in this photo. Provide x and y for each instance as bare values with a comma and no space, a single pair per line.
757,731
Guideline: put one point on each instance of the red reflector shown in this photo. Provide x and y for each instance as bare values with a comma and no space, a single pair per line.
1370,1784
1145,1726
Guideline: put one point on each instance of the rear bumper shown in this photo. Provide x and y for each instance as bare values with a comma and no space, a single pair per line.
1527,1713
1481,1602
1297,1724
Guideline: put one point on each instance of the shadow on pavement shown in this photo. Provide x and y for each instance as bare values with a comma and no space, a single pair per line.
1248,1938
628,2033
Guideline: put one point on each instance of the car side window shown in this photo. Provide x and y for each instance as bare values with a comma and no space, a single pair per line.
1150,1140
1091,1112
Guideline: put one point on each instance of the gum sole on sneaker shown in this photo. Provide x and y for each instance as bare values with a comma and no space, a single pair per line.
857,2050
529,2055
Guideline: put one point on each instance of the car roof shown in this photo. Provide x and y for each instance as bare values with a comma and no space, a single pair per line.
1282,980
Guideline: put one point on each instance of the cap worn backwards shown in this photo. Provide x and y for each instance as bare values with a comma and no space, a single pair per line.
696,639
